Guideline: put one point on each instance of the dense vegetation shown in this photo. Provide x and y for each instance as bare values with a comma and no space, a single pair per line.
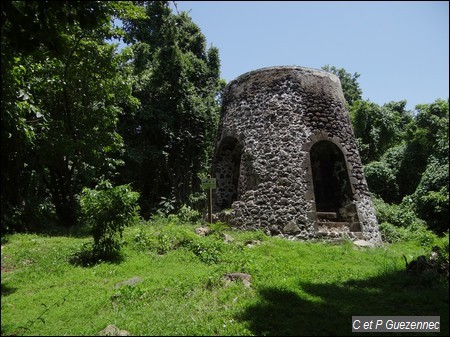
77,111
102,154
405,157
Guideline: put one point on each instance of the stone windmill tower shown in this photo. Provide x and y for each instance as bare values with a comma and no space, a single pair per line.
286,159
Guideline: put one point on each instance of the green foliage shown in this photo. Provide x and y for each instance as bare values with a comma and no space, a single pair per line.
62,91
170,138
162,234
428,144
378,128
431,198
349,83
181,295
394,158
417,233
426,137
142,241
400,215
166,206
420,165
108,210
391,233
399,223
129,295
433,118
169,235
187,214
443,248
219,227
381,180
207,250
406,159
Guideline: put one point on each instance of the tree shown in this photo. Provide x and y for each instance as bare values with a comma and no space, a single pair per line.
377,128
381,180
414,171
169,139
64,88
108,210
431,198
349,83
425,136
427,159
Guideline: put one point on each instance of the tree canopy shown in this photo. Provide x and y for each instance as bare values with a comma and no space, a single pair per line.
349,83
76,111
169,139
62,91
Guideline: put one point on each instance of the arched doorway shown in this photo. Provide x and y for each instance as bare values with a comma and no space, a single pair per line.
227,172
332,189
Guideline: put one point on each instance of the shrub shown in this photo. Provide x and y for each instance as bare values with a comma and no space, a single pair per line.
188,214
401,215
162,234
431,198
417,232
420,233
381,180
108,210
391,233
208,250
400,223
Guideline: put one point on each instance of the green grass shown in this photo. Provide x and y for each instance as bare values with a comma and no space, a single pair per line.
298,288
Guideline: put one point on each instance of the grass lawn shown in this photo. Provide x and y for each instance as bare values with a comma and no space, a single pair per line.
169,281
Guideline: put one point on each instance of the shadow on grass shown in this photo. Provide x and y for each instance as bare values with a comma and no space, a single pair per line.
86,257
59,230
327,309
7,289
51,229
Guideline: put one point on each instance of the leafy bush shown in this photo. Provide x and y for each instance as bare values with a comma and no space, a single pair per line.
420,233
401,215
162,234
208,250
129,295
108,210
431,198
381,180
394,157
417,232
164,243
187,214
391,233
400,223
166,206
143,240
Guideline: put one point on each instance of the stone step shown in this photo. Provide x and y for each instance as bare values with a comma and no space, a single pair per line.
338,229
357,235
326,235
326,215
352,227
333,224
336,235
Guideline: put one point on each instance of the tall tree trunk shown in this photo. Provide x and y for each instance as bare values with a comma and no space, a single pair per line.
63,196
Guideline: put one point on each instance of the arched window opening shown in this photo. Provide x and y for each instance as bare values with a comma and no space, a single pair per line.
227,171
331,182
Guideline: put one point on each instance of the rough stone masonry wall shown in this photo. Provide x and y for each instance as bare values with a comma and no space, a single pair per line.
270,119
